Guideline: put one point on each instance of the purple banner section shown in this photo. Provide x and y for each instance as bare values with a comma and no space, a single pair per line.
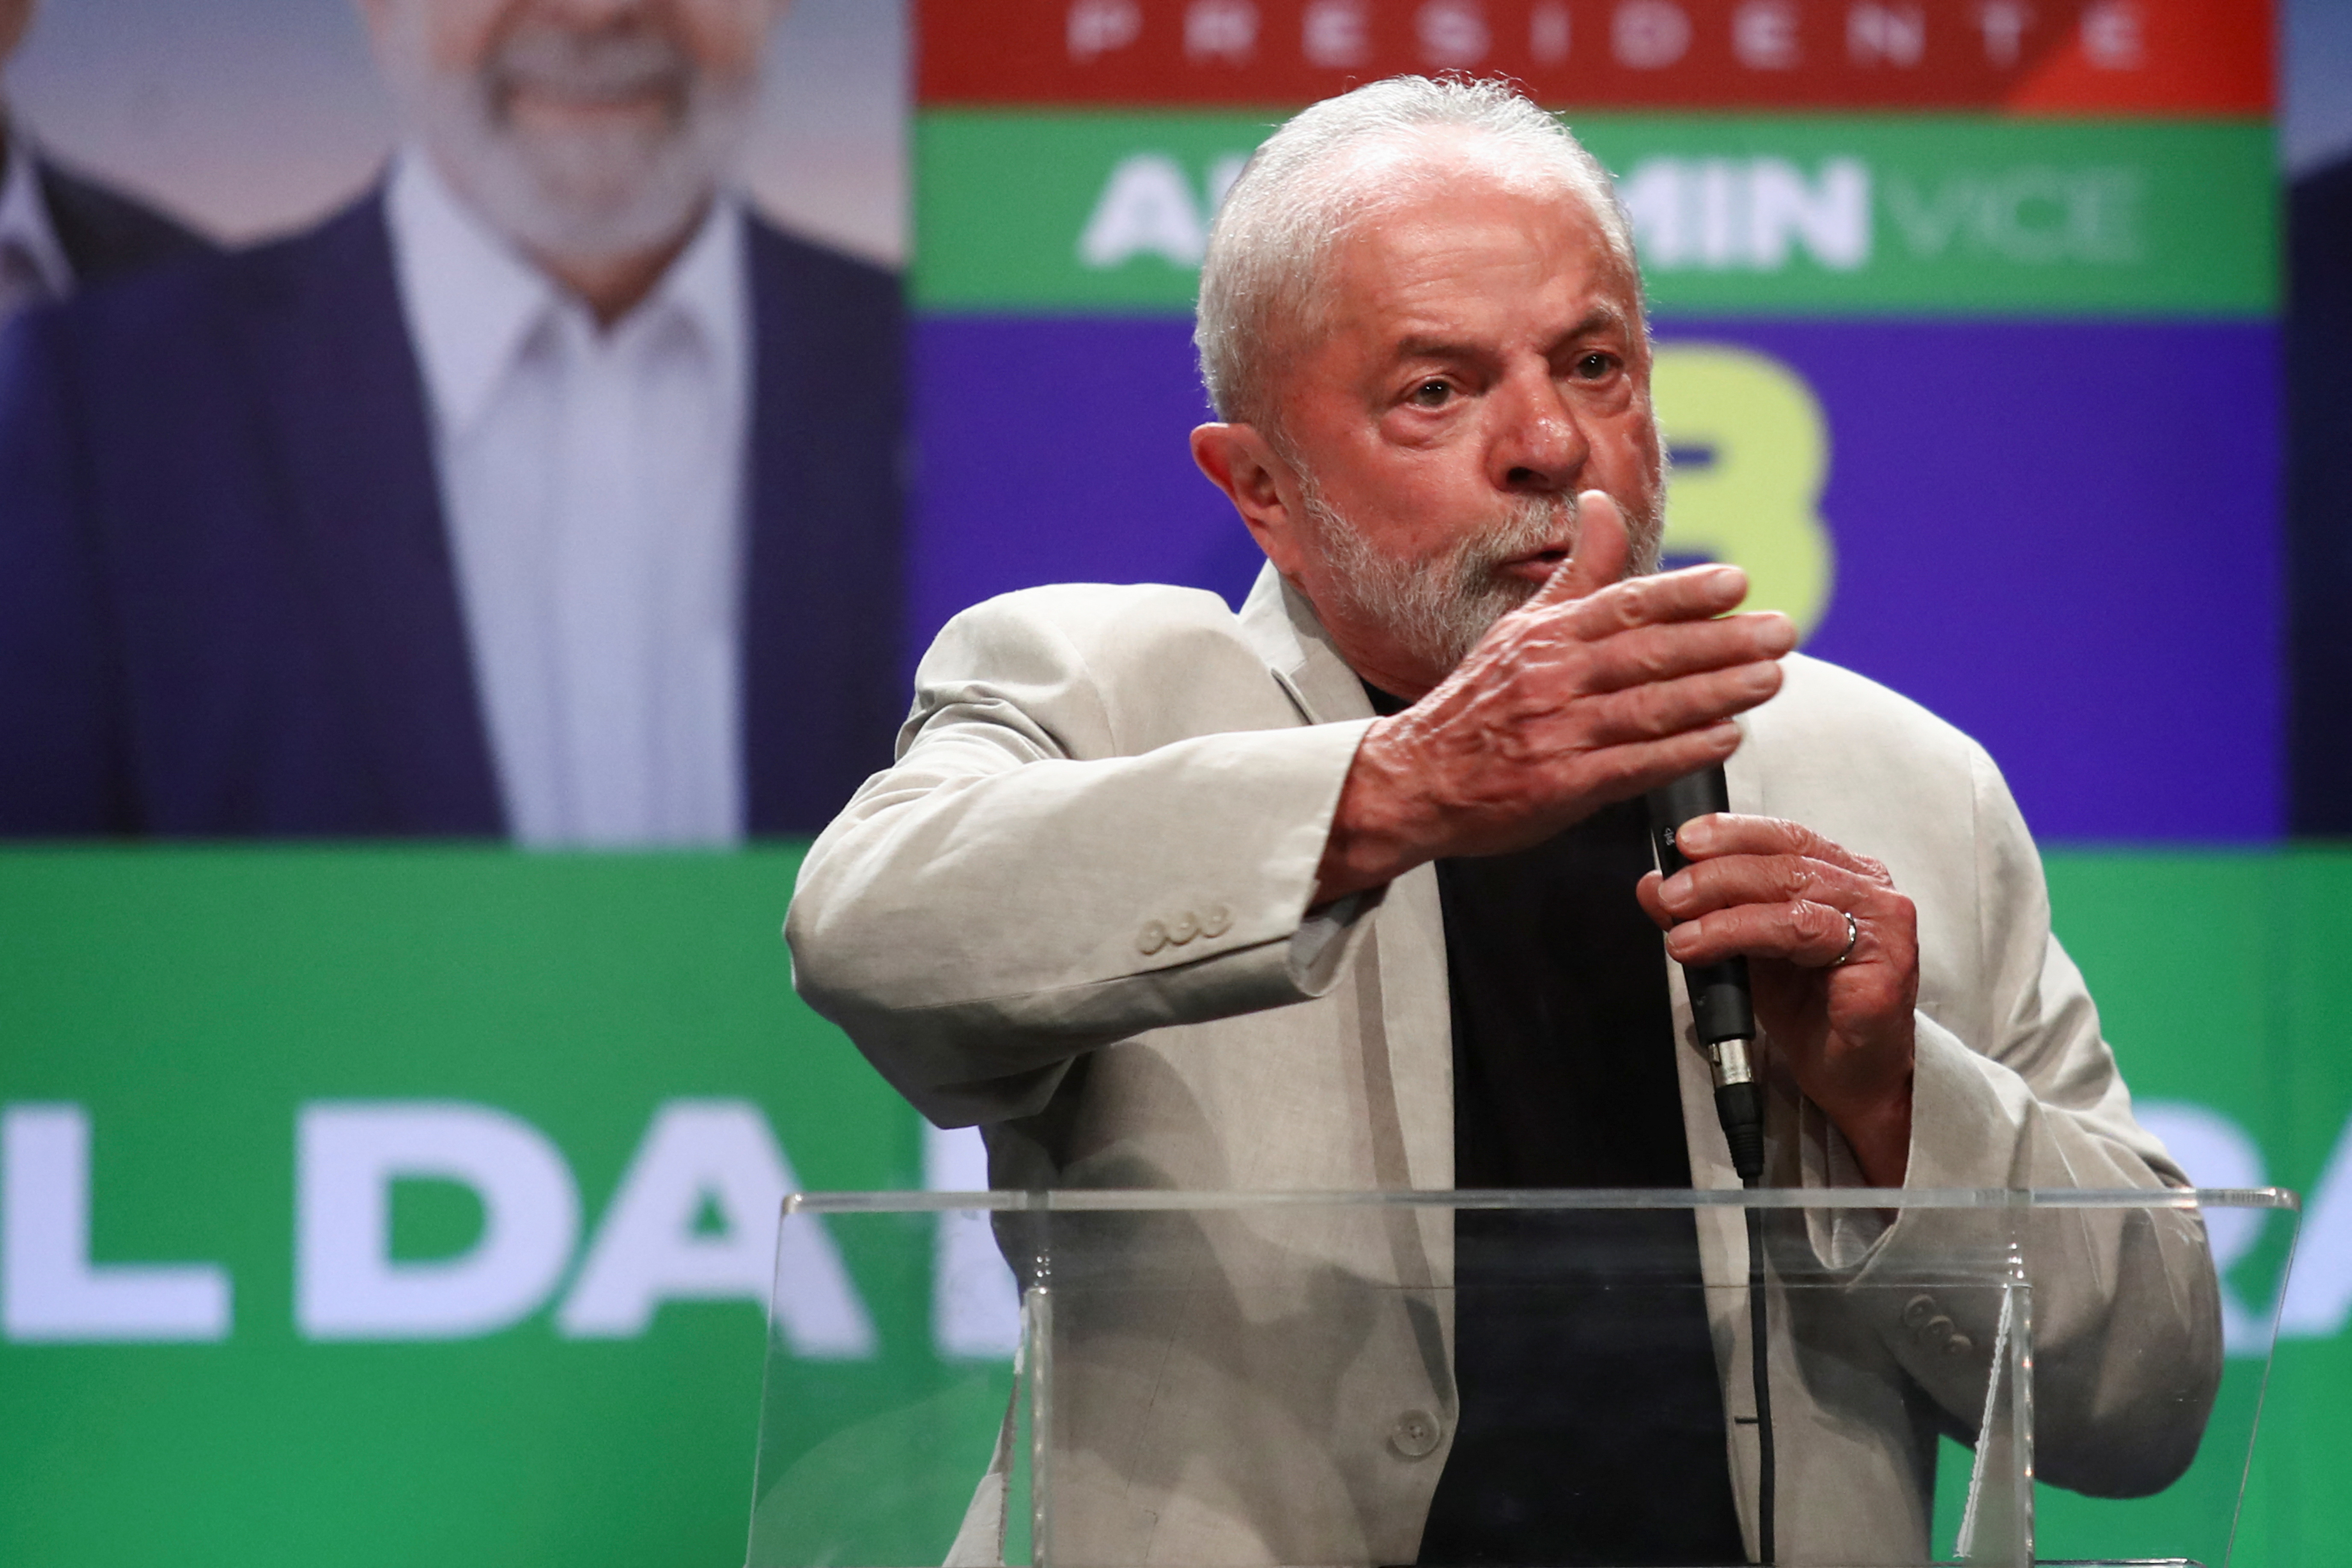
2062,537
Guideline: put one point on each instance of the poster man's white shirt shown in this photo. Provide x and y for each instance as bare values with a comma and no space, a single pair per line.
592,480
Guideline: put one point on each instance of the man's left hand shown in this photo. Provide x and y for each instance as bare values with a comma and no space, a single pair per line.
1840,1017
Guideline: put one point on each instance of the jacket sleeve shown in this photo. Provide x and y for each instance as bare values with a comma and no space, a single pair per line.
2127,1326
1036,878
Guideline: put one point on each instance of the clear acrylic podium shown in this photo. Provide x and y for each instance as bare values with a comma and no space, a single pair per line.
1211,1380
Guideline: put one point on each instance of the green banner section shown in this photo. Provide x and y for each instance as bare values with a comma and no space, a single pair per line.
1842,214
2206,968
375,1207
608,1048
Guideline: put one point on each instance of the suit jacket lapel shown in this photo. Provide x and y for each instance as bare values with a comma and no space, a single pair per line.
1282,626
345,406
1407,953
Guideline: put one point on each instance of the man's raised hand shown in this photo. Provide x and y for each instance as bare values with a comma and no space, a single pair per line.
1596,690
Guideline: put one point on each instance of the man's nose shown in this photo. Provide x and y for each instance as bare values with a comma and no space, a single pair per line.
1539,446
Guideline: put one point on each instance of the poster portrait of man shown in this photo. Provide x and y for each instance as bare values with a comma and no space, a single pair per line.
543,490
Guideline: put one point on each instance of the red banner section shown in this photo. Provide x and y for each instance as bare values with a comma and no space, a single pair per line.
2039,56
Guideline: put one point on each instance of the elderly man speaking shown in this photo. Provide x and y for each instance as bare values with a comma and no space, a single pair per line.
1352,891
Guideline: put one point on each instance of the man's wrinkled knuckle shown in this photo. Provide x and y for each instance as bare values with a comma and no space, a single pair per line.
1803,840
1652,663
1626,610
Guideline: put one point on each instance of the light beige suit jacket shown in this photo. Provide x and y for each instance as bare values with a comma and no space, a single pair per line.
1076,913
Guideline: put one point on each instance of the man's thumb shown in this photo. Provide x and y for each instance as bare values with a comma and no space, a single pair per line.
1601,555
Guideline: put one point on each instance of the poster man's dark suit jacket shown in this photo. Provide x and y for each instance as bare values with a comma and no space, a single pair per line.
227,601
104,233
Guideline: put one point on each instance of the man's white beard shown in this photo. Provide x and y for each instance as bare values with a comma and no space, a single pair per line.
1438,610
584,193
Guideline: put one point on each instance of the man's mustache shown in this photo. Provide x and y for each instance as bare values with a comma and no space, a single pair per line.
1531,524
589,66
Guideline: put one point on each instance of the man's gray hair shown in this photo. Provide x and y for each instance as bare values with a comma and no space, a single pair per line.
1319,174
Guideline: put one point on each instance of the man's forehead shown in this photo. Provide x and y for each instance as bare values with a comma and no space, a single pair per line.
1440,256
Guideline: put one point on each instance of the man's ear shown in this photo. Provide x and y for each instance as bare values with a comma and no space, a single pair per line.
1240,461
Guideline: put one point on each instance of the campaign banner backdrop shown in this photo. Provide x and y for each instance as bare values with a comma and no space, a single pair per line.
1926,365
408,1206
2162,57
1058,213
378,1207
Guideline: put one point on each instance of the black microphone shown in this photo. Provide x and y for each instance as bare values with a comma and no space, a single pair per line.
1720,1003
1725,1013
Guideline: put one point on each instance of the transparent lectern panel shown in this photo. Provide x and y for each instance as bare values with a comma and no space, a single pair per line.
2193,1514
891,1371
1457,1377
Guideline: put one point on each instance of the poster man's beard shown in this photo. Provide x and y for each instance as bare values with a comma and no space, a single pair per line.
1437,610
585,193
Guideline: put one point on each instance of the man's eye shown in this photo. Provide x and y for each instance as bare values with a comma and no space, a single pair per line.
1596,365
1430,395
